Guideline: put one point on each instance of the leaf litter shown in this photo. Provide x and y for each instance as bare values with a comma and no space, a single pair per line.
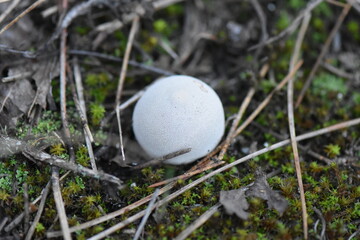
234,201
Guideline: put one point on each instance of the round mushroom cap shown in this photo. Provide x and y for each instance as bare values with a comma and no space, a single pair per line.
176,113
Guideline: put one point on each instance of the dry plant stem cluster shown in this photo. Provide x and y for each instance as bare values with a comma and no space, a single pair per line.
224,168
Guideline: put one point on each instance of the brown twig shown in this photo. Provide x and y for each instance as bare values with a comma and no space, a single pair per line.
291,120
133,218
200,221
26,11
44,195
324,50
338,71
160,160
63,111
61,163
60,207
134,28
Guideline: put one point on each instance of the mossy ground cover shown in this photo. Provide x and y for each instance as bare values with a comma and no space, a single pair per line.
220,55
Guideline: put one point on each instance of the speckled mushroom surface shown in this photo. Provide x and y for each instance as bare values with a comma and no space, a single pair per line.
179,112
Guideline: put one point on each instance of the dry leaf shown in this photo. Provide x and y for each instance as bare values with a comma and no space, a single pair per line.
234,201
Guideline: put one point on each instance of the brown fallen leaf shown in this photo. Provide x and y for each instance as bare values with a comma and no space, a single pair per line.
234,201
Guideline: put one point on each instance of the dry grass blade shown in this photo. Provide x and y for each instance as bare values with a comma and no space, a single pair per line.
44,195
200,221
324,50
11,7
290,96
129,44
236,121
29,9
133,218
60,204
147,215
80,106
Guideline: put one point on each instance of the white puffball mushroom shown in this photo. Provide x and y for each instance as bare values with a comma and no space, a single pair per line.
176,113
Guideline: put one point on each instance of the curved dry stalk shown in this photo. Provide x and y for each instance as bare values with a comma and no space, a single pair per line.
291,120
196,182
124,67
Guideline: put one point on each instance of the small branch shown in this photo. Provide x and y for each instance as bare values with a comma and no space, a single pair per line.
63,111
56,161
134,28
29,9
200,221
60,204
147,215
324,50
160,160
